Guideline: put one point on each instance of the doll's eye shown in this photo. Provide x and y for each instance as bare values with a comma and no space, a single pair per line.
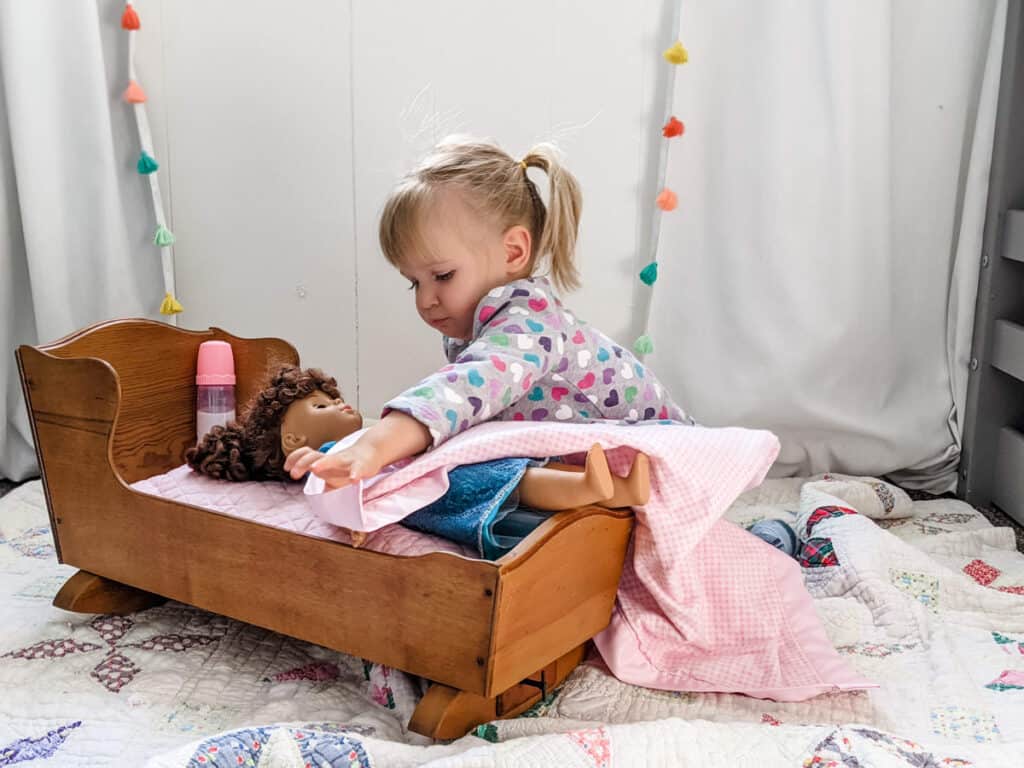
443,278
319,405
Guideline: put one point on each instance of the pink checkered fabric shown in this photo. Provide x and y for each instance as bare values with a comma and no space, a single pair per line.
702,605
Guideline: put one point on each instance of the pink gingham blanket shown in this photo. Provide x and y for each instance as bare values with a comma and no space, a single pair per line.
702,604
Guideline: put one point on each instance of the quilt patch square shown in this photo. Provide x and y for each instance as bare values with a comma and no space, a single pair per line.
964,724
920,586
825,513
982,572
1009,680
818,553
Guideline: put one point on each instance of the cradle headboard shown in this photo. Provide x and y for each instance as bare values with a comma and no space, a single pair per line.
152,389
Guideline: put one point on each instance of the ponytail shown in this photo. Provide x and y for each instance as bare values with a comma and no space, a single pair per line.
559,225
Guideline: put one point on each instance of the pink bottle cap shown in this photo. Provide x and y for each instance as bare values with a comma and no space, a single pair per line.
216,365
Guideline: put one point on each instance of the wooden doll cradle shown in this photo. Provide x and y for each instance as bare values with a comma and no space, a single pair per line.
115,403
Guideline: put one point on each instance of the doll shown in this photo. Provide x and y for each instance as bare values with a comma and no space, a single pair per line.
302,409
296,408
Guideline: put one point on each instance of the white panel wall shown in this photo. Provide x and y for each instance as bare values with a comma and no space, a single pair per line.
283,128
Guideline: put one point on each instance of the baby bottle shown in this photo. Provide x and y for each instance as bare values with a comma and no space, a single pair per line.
215,386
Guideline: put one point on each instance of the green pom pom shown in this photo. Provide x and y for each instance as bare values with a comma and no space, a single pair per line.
146,164
643,345
649,274
487,732
163,237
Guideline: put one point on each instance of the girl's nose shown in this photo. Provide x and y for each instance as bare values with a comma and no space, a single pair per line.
426,299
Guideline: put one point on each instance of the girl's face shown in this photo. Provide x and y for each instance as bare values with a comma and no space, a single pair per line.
462,257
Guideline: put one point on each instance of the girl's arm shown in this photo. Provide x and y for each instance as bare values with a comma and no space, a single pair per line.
520,338
396,436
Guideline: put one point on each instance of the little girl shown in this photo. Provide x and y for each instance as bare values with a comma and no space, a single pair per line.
470,232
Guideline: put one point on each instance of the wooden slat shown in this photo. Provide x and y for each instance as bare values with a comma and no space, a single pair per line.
1008,485
557,591
1008,348
1013,236
76,397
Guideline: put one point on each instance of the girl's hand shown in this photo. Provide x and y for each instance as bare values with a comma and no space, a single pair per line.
298,462
344,467
396,436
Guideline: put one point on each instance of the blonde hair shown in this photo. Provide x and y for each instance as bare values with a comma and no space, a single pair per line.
495,185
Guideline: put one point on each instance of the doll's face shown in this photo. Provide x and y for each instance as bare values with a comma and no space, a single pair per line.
317,419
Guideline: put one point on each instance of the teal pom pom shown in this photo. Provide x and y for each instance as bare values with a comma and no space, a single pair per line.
643,345
146,164
649,274
163,237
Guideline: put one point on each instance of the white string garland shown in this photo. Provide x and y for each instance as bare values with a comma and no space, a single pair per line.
147,166
666,200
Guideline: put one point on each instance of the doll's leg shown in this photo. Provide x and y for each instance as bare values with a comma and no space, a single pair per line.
557,487
634,490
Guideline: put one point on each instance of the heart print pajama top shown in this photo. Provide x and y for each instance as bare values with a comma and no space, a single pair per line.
531,359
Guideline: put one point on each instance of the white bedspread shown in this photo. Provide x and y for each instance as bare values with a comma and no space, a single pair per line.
173,684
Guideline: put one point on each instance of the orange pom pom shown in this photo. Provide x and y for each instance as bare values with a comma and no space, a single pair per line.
667,200
130,19
134,94
673,128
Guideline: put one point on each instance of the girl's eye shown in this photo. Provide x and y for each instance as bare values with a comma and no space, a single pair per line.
412,285
445,277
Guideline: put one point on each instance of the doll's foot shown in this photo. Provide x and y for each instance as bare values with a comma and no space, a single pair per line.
555,486
634,490
597,475
358,538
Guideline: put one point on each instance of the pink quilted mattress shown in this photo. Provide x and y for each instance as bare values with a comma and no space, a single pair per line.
283,505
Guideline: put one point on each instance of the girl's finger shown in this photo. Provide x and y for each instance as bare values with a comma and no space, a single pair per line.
301,467
293,457
330,469
358,471
338,482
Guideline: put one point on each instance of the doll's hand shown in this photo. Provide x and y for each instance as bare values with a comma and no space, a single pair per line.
300,460
344,467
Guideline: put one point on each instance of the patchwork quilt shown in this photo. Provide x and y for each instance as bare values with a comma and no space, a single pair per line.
929,605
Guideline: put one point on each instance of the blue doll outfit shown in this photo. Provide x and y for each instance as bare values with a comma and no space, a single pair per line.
481,507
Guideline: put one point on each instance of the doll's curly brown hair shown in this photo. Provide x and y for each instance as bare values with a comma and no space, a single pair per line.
250,448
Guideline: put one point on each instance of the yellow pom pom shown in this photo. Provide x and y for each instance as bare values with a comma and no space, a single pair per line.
676,54
170,306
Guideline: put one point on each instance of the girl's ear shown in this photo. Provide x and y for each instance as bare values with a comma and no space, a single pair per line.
518,249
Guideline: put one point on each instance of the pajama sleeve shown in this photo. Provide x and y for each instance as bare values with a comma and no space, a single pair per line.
514,346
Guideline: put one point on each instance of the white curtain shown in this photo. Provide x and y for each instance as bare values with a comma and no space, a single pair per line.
820,274
75,217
